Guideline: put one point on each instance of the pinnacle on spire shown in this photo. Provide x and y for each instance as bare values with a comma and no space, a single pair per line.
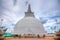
29,8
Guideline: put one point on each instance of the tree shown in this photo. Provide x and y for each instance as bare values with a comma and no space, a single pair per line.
57,35
2,31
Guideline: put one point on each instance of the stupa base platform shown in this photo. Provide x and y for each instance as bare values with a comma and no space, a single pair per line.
46,38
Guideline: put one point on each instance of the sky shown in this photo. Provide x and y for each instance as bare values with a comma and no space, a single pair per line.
46,11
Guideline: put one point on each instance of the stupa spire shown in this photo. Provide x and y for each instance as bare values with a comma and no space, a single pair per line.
29,13
29,8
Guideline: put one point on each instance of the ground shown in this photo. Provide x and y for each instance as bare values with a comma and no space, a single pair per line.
46,38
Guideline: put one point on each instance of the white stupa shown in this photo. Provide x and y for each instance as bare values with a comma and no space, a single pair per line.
29,24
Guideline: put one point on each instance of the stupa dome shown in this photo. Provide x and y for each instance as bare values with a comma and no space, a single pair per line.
29,24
